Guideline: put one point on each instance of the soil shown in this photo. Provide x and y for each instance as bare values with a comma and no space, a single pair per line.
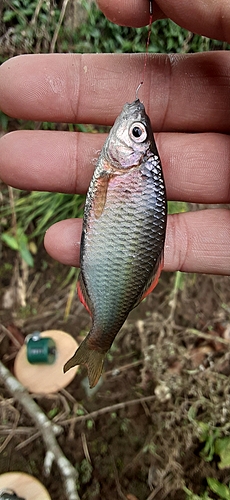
170,360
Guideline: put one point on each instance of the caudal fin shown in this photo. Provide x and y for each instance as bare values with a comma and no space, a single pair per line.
92,359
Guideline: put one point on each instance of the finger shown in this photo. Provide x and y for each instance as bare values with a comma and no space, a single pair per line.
49,161
130,12
62,241
181,93
196,166
209,18
195,242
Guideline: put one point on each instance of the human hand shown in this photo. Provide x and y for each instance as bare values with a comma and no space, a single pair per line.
187,98
210,18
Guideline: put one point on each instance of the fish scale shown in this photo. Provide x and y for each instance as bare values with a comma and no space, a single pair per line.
103,248
123,233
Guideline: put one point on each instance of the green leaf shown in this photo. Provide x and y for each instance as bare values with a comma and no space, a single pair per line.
220,489
222,448
10,241
52,413
193,496
8,16
26,255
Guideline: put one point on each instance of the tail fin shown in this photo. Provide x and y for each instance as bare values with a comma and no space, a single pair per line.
93,360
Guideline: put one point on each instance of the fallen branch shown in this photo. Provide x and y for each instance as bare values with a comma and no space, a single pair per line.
108,409
48,431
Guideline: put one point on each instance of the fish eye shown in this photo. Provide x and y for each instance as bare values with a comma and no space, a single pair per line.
138,132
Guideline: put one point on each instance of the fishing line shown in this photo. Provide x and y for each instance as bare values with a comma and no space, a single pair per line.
147,46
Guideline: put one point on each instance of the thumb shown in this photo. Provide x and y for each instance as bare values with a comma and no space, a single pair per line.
133,13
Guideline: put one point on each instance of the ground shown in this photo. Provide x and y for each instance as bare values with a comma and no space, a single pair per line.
171,359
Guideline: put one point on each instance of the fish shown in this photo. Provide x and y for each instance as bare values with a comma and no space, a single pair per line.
123,235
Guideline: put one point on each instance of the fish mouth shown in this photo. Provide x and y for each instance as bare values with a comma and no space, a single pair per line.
135,111
135,107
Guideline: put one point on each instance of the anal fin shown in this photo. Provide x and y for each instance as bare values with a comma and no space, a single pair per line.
155,280
82,294
152,283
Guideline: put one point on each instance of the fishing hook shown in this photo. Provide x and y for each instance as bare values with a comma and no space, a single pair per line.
137,90
151,7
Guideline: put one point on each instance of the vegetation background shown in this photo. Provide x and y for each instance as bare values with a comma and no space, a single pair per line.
177,445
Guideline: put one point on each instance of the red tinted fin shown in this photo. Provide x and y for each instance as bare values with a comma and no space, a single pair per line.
154,281
82,294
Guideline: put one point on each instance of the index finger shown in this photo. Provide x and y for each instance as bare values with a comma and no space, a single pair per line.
181,92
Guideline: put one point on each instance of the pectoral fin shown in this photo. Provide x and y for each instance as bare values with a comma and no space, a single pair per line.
101,194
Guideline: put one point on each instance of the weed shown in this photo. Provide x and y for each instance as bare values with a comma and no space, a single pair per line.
4,121
35,212
150,448
80,412
52,413
208,435
215,444
90,424
192,496
125,425
220,489
18,242
86,470
175,207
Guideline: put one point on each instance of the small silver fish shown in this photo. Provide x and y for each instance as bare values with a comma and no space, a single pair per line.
123,233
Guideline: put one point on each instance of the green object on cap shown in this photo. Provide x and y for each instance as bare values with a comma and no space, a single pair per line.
40,350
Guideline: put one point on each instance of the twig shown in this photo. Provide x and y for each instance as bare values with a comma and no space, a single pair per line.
116,477
215,338
85,447
13,213
154,492
146,350
123,368
27,441
4,429
12,430
55,36
107,409
36,13
11,336
47,429
174,297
